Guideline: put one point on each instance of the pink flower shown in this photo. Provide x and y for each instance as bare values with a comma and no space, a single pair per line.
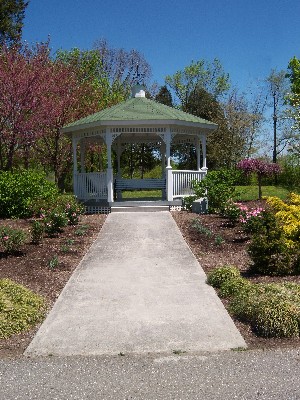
5,238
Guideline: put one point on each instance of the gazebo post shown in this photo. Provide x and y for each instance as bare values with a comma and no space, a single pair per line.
203,143
119,152
82,155
163,158
198,151
75,171
169,180
109,172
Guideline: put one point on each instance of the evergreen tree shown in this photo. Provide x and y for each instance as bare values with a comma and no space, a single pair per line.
11,21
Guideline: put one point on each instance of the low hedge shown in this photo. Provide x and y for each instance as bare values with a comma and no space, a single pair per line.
272,310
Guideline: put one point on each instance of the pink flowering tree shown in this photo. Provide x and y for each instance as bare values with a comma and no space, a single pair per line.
260,168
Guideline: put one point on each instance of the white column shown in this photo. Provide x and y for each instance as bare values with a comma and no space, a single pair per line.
169,174
119,152
198,144
75,172
109,171
203,143
82,155
163,159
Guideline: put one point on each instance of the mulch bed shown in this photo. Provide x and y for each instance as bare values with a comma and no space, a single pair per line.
226,245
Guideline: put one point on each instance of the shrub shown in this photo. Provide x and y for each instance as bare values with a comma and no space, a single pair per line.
232,211
218,187
187,202
70,206
220,275
37,231
276,318
11,239
20,191
19,308
54,221
233,286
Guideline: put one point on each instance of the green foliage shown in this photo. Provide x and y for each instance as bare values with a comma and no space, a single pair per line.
232,286
19,308
219,187
199,74
219,276
37,231
196,224
231,211
12,13
20,190
187,202
82,230
69,205
11,240
270,251
272,310
54,221
53,262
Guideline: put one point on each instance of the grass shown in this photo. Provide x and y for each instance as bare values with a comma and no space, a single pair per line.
140,194
246,193
251,192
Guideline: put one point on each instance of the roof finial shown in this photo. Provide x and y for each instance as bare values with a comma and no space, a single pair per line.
138,89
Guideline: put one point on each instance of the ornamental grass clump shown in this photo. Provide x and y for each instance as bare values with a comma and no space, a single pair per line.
20,308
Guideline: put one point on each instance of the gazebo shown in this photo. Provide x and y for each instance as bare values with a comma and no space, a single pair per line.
137,120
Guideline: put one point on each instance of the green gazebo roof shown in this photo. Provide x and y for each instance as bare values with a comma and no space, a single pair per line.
139,109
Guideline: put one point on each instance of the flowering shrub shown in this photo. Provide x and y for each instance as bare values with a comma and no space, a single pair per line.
54,221
37,231
288,216
275,247
238,212
11,239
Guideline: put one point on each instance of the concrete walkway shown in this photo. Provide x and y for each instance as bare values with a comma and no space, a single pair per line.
138,289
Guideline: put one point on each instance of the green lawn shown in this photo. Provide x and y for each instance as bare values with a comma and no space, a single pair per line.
251,192
142,194
245,193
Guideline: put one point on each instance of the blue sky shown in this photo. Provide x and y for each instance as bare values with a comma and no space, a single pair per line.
250,37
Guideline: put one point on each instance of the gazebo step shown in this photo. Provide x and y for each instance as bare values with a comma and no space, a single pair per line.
139,208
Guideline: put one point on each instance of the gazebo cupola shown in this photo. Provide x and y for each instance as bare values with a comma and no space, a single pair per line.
137,120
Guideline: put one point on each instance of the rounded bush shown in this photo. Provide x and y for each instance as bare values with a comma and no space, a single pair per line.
222,274
20,308
19,192
274,318
233,286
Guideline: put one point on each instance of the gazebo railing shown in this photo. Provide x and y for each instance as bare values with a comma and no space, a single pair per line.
90,185
182,182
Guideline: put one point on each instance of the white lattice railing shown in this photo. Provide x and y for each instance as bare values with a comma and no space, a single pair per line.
182,182
90,185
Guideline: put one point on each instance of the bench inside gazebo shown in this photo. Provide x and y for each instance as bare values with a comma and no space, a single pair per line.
137,120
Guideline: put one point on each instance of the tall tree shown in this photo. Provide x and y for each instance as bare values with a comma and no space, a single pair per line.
122,66
164,96
201,74
294,102
11,21
278,89
90,68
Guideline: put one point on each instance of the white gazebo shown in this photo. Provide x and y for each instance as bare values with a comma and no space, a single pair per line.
137,120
